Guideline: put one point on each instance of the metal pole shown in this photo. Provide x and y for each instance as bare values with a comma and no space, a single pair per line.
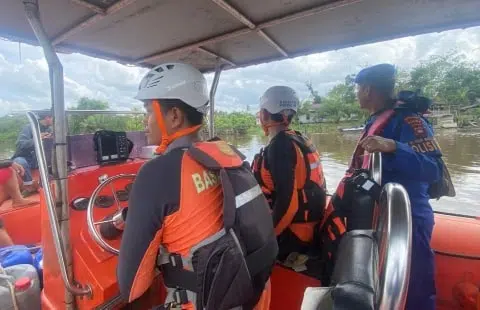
52,215
60,146
213,90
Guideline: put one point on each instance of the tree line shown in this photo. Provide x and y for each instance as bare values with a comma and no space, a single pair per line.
450,80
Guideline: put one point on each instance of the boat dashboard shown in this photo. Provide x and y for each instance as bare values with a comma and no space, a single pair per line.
92,264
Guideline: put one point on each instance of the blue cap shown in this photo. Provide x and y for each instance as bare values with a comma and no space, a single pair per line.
381,76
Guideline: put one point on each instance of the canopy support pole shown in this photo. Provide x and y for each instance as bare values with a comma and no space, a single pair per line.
213,90
60,156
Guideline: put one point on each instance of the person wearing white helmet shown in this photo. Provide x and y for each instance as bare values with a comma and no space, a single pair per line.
180,209
175,95
290,174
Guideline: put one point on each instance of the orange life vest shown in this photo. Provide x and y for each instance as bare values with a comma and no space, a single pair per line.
231,267
310,185
332,227
361,158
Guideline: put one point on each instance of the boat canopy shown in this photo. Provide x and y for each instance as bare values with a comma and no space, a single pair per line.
233,33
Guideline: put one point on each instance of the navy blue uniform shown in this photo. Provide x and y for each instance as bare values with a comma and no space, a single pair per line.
415,165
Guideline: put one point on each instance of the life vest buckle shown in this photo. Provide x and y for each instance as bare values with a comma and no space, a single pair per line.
180,297
168,306
175,260
361,180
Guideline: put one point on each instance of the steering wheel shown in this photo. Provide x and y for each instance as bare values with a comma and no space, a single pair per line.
116,219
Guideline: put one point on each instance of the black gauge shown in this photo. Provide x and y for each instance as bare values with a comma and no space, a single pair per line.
122,195
128,187
80,204
105,201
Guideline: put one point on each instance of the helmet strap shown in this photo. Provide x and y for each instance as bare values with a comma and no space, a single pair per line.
166,138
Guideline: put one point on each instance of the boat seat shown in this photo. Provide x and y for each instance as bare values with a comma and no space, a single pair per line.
354,276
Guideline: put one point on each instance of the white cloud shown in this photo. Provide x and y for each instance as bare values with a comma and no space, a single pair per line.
24,80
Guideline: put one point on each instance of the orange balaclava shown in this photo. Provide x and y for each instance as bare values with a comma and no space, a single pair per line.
166,138
266,125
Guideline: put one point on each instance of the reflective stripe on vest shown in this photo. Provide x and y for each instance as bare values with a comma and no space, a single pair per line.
315,165
247,196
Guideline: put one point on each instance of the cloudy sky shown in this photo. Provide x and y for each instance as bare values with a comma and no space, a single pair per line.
24,75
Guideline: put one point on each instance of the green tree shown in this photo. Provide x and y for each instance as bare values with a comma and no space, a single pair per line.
341,102
91,104
448,79
82,124
316,98
10,126
234,123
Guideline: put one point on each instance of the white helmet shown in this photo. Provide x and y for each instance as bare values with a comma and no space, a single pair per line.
175,81
279,98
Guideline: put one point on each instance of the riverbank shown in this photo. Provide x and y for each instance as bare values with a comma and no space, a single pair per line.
326,127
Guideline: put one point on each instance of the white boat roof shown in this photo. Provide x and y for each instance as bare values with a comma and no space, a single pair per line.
235,33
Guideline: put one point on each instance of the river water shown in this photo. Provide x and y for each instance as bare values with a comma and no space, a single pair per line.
461,152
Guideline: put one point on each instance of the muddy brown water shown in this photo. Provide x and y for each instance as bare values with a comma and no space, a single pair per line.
461,151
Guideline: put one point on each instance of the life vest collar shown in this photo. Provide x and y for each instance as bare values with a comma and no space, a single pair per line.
216,155
182,142
375,128
167,139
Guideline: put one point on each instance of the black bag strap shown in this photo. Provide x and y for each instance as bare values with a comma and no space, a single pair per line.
174,275
258,162
229,204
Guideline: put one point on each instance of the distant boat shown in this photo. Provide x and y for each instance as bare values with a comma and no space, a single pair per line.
352,129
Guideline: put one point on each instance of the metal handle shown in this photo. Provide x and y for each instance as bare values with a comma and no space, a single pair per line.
52,215
375,167
394,233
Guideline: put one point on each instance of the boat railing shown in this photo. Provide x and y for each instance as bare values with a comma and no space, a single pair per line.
102,112
393,226
62,245
393,229
87,112
394,235
375,167
75,289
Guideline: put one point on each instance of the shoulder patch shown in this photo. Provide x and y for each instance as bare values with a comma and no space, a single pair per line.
224,148
417,125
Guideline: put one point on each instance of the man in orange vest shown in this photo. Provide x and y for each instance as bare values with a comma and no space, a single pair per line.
291,176
197,205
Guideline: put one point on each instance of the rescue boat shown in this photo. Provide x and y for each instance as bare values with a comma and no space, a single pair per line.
79,265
